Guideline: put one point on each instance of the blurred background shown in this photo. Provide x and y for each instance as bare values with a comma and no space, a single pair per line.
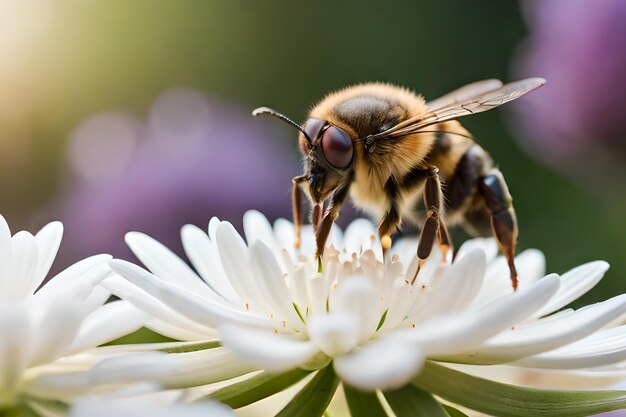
118,116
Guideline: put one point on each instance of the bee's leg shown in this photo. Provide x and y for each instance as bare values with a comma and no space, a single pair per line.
316,215
296,202
445,243
387,226
499,202
433,225
391,219
332,212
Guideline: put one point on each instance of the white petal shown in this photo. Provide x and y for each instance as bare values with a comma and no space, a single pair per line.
361,235
63,386
174,323
15,341
285,235
178,333
5,256
48,241
265,349
380,365
547,334
24,258
334,333
234,256
271,282
530,267
80,274
205,367
109,322
199,309
203,254
402,296
164,263
145,405
602,348
575,283
133,367
256,227
487,245
458,286
56,325
357,297
462,332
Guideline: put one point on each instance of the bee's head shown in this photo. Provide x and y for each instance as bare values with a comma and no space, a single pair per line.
328,153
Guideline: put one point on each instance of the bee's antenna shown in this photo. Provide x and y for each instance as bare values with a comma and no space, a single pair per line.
267,110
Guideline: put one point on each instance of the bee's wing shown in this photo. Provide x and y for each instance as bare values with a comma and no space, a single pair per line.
470,105
465,93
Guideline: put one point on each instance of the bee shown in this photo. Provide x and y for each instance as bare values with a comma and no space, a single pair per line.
401,158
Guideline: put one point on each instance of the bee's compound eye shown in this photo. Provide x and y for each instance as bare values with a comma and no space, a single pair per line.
337,147
313,127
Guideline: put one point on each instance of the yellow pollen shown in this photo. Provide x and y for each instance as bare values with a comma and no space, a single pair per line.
385,242
247,306
413,325
423,286
276,331
372,238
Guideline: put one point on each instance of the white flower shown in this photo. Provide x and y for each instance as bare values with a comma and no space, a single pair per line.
275,311
142,400
65,316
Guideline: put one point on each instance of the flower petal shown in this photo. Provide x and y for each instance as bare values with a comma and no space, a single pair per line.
266,350
465,277
461,333
361,235
356,296
575,283
175,324
530,266
5,256
271,282
56,325
109,322
382,364
547,334
133,367
202,310
234,256
205,367
203,254
24,259
16,335
603,348
285,235
48,241
256,227
334,333
163,263
81,274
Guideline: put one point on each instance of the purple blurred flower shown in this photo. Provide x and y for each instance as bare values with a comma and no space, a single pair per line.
580,48
194,158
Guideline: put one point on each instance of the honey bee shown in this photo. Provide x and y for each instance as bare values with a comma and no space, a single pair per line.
401,158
